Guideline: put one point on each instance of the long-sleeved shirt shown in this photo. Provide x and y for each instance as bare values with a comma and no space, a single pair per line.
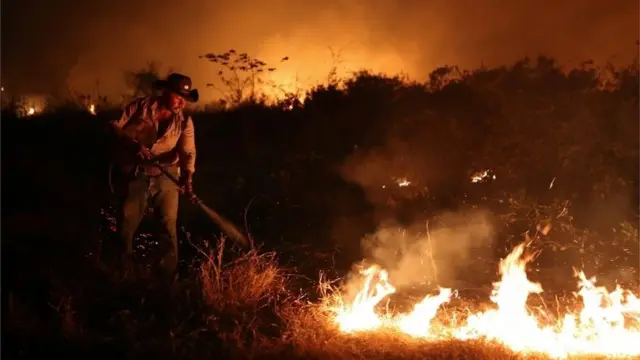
176,145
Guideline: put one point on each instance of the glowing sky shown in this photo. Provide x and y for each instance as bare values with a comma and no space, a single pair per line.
47,45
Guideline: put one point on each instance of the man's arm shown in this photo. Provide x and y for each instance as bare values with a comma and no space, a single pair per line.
187,148
125,149
117,125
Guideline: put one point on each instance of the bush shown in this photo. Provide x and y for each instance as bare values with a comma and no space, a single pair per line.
562,145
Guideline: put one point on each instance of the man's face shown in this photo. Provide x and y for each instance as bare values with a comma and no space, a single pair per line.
175,102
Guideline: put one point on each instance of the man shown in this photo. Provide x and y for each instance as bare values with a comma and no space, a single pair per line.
154,130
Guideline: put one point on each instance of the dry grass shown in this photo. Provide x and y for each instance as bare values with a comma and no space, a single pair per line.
249,296
243,305
252,280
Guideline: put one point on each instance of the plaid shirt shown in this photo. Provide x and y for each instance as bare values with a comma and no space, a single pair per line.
176,145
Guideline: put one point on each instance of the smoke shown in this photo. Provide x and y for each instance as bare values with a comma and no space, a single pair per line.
393,171
413,251
98,40
433,252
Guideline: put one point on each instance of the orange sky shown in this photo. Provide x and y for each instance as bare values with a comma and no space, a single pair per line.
409,36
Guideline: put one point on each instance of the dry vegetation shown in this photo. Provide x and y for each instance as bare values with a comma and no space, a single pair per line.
265,317
242,304
261,303
243,307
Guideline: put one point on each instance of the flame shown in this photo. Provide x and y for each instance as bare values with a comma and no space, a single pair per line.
361,315
481,176
92,109
31,111
417,323
403,182
608,323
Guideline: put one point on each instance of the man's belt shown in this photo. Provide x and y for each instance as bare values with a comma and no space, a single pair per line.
152,171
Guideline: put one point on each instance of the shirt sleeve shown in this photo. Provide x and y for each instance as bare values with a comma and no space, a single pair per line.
129,111
187,147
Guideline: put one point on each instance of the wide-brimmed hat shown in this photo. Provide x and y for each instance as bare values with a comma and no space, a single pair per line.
179,84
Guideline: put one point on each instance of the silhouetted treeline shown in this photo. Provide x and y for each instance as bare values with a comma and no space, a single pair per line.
324,161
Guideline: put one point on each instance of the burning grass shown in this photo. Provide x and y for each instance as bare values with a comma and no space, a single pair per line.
246,306
607,323
440,326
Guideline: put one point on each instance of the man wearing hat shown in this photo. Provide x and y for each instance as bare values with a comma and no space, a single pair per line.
153,129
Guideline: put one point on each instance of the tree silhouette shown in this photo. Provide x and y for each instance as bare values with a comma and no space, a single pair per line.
140,82
240,75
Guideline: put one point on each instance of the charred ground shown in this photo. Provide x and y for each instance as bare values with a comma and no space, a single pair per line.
311,182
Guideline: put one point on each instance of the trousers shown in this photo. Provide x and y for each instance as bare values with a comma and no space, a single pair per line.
162,194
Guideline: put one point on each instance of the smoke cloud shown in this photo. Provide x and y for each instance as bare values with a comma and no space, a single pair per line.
394,171
431,253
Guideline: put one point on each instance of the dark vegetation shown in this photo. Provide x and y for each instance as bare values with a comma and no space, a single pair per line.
307,180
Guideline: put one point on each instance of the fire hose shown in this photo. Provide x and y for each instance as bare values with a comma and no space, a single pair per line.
225,225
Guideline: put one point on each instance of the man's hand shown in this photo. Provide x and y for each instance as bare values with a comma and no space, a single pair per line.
186,183
143,153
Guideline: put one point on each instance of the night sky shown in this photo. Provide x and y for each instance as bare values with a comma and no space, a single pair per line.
50,45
